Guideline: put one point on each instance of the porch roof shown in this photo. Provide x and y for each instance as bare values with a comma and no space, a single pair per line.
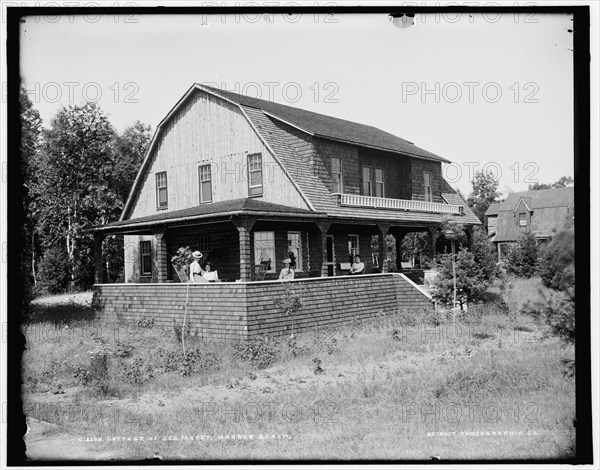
222,209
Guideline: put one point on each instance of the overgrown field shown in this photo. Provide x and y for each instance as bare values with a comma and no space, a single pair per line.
493,385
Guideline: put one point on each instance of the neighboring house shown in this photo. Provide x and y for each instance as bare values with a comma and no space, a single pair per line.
542,212
245,180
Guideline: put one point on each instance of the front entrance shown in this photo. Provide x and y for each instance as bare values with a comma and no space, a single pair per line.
330,256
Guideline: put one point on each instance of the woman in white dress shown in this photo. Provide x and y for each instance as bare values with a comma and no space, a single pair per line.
195,268
287,272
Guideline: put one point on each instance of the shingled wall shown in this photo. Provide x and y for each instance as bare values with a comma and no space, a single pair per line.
230,311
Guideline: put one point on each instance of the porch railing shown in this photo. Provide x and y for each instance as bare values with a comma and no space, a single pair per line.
356,200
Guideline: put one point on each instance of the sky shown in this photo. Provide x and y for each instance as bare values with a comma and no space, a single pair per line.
490,92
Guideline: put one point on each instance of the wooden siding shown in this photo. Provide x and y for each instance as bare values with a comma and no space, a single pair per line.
438,184
233,311
208,130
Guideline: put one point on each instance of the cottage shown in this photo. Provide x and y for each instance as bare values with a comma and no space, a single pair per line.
543,213
247,182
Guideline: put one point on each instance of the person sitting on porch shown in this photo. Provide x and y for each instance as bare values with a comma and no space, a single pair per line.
210,276
357,267
195,269
287,272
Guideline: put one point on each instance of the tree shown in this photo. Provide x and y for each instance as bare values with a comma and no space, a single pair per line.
562,182
31,128
416,247
485,186
470,279
522,257
72,189
485,253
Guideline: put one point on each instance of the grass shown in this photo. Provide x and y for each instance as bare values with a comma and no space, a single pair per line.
384,389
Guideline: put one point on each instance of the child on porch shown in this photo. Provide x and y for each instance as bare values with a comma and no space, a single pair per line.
287,272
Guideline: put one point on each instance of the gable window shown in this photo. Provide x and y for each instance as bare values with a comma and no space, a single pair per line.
367,183
295,249
255,176
264,249
352,246
427,186
162,197
522,219
337,181
379,183
146,258
205,183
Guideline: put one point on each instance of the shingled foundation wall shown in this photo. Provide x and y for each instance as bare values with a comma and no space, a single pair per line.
229,311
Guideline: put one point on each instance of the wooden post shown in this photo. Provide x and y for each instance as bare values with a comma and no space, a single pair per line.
469,233
98,264
433,238
244,226
160,257
399,236
383,231
323,229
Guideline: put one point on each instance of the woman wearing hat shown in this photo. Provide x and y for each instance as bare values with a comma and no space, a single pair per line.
195,269
287,272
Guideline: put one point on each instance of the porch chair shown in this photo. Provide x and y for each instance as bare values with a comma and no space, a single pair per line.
261,270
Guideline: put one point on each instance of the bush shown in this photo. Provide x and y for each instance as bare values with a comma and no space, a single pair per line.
260,352
485,253
557,262
54,271
470,279
522,257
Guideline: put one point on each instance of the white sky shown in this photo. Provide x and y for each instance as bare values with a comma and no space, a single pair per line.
363,68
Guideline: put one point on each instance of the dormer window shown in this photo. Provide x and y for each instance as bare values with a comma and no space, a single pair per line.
522,219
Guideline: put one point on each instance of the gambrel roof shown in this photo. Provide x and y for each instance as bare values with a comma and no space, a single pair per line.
269,121
333,128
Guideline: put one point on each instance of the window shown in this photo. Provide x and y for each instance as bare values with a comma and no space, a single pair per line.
204,244
427,186
295,249
161,190
522,219
337,180
146,258
379,183
366,180
205,183
264,249
255,176
353,245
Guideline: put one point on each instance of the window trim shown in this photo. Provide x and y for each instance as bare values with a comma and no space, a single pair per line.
209,180
261,186
300,258
340,173
370,181
382,182
357,245
142,254
524,219
427,195
273,258
158,188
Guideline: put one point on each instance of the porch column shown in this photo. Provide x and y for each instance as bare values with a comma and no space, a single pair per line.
469,234
99,265
244,226
160,234
323,229
399,236
433,239
383,231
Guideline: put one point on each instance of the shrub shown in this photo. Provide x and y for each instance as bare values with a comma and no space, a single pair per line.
522,257
557,262
470,279
260,352
485,253
54,271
